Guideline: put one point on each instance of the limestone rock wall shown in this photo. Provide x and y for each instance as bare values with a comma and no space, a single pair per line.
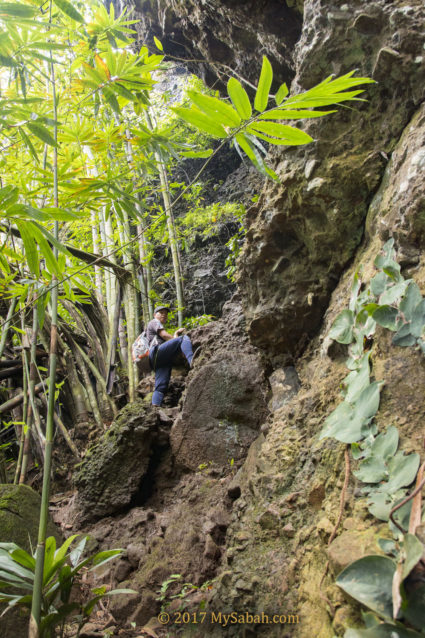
305,231
291,483
215,36
339,199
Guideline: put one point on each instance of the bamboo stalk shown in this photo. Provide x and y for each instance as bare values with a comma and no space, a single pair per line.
99,378
112,346
62,429
34,626
6,325
168,209
87,384
18,399
97,271
31,385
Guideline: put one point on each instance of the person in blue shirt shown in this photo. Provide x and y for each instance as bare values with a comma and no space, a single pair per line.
163,351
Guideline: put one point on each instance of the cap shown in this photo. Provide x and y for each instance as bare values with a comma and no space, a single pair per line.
159,308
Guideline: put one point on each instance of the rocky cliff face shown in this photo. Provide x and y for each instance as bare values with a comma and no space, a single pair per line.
360,183
214,36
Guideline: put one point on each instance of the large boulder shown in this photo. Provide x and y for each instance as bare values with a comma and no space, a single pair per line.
112,471
225,400
222,413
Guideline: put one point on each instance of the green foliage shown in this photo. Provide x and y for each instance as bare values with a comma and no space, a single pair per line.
371,581
61,567
206,219
234,245
196,322
378,581
245,126
182,589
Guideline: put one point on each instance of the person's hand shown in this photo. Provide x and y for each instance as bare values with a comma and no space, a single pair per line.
178,332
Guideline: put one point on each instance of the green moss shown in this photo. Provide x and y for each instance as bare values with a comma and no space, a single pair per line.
19,516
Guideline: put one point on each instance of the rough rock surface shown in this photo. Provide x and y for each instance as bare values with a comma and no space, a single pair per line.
19,516
223,410
223,34
112,470
339,199
224,403
304,231
290,483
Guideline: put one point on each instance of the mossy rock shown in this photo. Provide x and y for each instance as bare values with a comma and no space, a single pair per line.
19,518
112,470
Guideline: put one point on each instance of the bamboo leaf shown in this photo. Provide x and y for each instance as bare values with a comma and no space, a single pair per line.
122,91
158,43
264,84
281,94
215,108
240,98
111,99
69,10
61,248
102,64
46,251
41,132
248,146
201,121
28,144
280,114
282,131
17,10
47,46
197,154
6,60
31,253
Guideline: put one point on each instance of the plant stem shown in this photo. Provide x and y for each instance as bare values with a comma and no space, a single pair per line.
6,325
34,627
168,209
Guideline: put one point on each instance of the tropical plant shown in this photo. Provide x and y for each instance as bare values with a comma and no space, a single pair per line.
384,584
246,124
62,566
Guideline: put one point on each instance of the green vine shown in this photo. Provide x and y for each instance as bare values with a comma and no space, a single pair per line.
381,583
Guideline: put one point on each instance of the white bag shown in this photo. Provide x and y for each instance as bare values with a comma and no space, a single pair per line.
140,352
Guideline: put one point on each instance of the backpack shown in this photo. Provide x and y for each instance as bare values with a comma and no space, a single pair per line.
140,353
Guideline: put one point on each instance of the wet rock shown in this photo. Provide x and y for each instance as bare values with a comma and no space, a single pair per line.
316,495
288,530
122,570
211,550
135,553
302,232
234,489
270,519
91,630
111,472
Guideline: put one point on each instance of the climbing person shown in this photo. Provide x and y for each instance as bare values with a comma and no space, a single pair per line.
163,351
